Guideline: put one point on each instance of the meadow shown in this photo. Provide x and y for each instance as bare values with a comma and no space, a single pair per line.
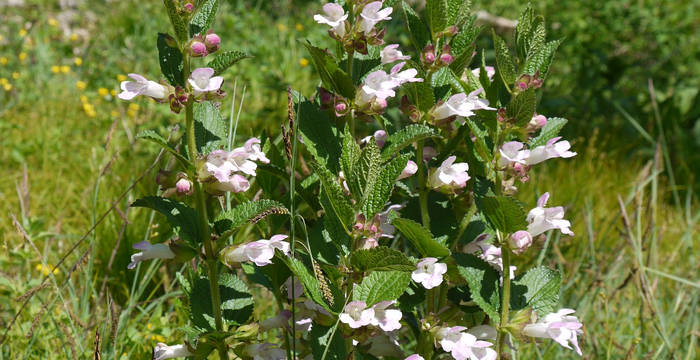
71,162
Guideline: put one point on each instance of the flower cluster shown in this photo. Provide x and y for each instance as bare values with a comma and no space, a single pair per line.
224,171
259,252
356,314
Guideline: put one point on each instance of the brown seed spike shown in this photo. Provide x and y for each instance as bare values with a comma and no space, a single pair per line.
325,289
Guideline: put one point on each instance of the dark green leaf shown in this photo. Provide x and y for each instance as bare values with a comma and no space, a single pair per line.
405,137
339,205
248,212
170,60
380,191
320,336
332,76
381,286
210,130
225,59
156,138
538,289
420,36
483,282
320,136
458,11
381,259
548,132
541,60
503,213
236,302
438,15
506,68
421,238
522,107
177,21
179,215
365,171
201,21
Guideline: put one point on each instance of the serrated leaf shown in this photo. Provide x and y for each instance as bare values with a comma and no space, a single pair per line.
180,216
381,258
379,193
236,302
523,31
210,130
421,94
503,213
483,282
504,62
548,132
541,60
421,238
364,172
350,157
522,107
458,11
248,212
480,144
312,287
226,59
338,205
320,137
381,286
177,21
201,21
332,76
170,60
320,336
156,138
438,14
420,36
446,82
405,137
538,289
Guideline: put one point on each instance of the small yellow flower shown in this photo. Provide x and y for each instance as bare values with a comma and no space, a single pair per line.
134,107
281,27
73,37
65,69
22,33
121,77
7,87
114,113
81,85
15,75
3,81
89,110
303,62
78,61
55,69
2,38
113,92
83,99
53,22
149,326
102,92
3,61
22,56
299,27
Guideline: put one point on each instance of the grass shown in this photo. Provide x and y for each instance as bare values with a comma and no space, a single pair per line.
630,271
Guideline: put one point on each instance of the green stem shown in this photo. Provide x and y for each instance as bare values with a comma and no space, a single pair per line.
506,298
423,189
350,117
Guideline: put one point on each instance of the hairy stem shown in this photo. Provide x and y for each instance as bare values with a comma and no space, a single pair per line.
422,190
505,300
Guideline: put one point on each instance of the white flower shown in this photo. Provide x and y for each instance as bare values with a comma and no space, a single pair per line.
356,314
150,251
265,351
141,86
429,272
519,241
378,85
259,252
163,351
409,170
415,357
252,146
386,319
469,347
560,327
379,137
553,149
373,13
449,174
335,18
402,77
203,80
391,53
462,105
449,337
512,152
541,219
489,253
236,183
490,72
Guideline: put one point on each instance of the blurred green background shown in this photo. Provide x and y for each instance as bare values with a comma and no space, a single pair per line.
626,77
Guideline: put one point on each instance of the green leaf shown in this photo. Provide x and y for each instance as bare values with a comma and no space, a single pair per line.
480,144
421,94
236,302
338,204
312,287
226,59
438,15
210,130
170,59
504,62
351,152
503,213
538,288
541,60
523,31
421,238
483,282
156,138
444,82
201,21
379,193
176,20
320,336
320,136
420,36
405,137
248,212
463,46
522,107
458,11
548,132
332,76
364,173
381,258
180,216
381,286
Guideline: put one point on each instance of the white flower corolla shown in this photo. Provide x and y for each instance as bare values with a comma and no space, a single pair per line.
519,241
415,357
391,53
541,219
142,86
462,105
203,80
378,85
429,272
490,72
334,17
512,152
409,170
373,13
560,327
449,174
449,337
489,253
469,347
356,314
259,252
252,147
553,149
265,351
150,251
386,319
406,76
379,137
163,351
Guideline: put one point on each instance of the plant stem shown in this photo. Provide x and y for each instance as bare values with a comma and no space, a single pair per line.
505,300
422,190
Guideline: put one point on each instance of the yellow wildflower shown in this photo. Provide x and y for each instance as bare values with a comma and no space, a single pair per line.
299,27
83,99
55,69
22,33
74,37
89,110
2,38
65,69
149,326
114,113
7,87
121,77
102,92
53,22
134,107
78,61
113,92
3,61
281,27
15,75
46,269
303,62
22,56
3,81
81,85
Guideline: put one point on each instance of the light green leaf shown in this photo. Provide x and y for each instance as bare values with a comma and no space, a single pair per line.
421,238
170,60
180,216
541,60
522,107
381,286
504,62
503,213
420,36
225,59
548,132
156,138
438,15
312,287
248,212
201,21
332,76
210,130
458,11
338,204
381,258
405,137
364,172
379,193
483,282
539,289
177,21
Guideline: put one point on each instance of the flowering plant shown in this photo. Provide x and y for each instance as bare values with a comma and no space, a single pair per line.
402,225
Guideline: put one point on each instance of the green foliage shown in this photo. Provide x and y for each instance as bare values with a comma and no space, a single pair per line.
522,107
506,68
381,286
381,187
333,77
209,128
381,258
363,173
405,137
335,203
483,283
156,138
203,18
421,238
320,137
438,15
177,21
549,131
312,286
503,213
170,60
225,59
181,217
420,36
537,289
236,302
321,336
249,212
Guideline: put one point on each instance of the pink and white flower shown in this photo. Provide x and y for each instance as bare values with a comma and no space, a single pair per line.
356,314
252,147
377,86
490,72
560,327
379,137
449,175
409,170
469,347
537,122
384,345
512,152
142,86
203,80
150,251
415,357
386,319
553,149
163,351
429,272
405,76
373,13
391,53
334,17
461,105
542,219
259,252
519,241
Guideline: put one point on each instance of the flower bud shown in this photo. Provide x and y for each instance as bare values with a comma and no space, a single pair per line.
450,31
524,82
428,54
326,96
501,115
188,7
198,49
378,106
184,186
446,57
360,46
212,42
409,170
519,241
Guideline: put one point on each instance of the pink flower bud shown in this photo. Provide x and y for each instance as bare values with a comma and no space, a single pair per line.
183,186
520,241
326,96
341,109
428,54
198,49
408,171
359,226
189,7
446,59
212,42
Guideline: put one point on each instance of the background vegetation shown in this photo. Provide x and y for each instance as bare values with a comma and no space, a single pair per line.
625,77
